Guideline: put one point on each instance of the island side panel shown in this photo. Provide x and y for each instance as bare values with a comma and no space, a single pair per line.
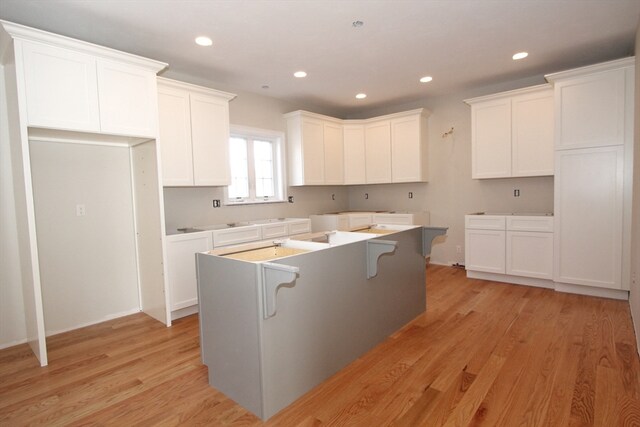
229,328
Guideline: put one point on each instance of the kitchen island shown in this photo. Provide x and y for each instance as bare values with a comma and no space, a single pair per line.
278,319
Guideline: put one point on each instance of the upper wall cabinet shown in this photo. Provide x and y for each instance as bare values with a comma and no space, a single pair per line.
328,151
315,148
512,133
76,86
354,154
590,109
194,134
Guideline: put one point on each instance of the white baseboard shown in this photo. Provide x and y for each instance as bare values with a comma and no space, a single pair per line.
183,312
104,319
550,284
12,343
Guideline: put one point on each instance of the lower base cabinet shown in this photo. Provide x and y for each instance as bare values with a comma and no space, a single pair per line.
181,267
529,254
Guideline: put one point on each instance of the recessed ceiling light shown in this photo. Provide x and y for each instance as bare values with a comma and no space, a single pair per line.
361,95
203,41
300,74
520,55
426,79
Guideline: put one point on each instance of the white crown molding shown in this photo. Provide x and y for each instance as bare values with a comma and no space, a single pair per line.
590,69
21,32
421,111
175,84
508,93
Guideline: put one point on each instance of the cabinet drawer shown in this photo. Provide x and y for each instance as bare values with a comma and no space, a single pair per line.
299,227
269,231
530,223
485,222
236,235
359,221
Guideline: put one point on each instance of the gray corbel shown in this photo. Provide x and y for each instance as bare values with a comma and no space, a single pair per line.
375,249
428,234
274,276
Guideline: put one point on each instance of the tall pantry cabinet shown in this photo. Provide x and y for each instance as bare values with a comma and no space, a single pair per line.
593,175
81,123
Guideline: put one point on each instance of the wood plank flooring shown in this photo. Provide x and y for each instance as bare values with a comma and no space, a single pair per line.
484,353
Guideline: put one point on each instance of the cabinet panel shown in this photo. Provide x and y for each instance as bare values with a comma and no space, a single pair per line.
491,139
408,150
532,134
485,250
588,209
175,137
333,154
210,140
313,151
61,88
354,154
590,110
181,267
530,254
378,152
128,99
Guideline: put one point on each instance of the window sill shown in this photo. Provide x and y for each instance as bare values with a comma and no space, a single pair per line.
253,202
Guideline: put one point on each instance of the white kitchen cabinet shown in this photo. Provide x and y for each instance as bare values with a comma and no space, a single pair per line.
592,187
77,91
485,245
354,154
511,245
346,221
589,209
315,149
394,218
194,134
378,151
512,133
61,88
409,148
181,266
590,110
333,154
127,98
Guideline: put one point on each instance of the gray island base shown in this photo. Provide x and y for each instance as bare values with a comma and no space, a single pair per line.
277,320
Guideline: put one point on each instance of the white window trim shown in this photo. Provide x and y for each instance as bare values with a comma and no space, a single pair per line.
281,159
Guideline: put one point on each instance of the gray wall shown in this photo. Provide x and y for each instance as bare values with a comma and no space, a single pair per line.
634,297
450,192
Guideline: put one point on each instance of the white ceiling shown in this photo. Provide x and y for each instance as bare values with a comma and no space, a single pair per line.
461,43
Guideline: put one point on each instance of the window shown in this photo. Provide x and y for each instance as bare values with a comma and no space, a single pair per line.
257,172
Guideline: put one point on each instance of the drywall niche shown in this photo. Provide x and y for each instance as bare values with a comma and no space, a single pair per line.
98,225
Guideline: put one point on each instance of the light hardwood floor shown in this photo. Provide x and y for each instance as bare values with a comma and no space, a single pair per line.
483,354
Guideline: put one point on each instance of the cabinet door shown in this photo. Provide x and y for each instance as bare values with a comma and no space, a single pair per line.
378,152
181,267
210,140
408,150
354,155
530,254
333,154
128,99
313,151
532,134
61,88
175,137
590,110
491,139
588,216
485,250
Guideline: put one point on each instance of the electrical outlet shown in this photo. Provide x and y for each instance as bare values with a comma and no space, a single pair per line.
290,198
81,210
333,197
216,203
458,249
366,196
411,194
516,193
